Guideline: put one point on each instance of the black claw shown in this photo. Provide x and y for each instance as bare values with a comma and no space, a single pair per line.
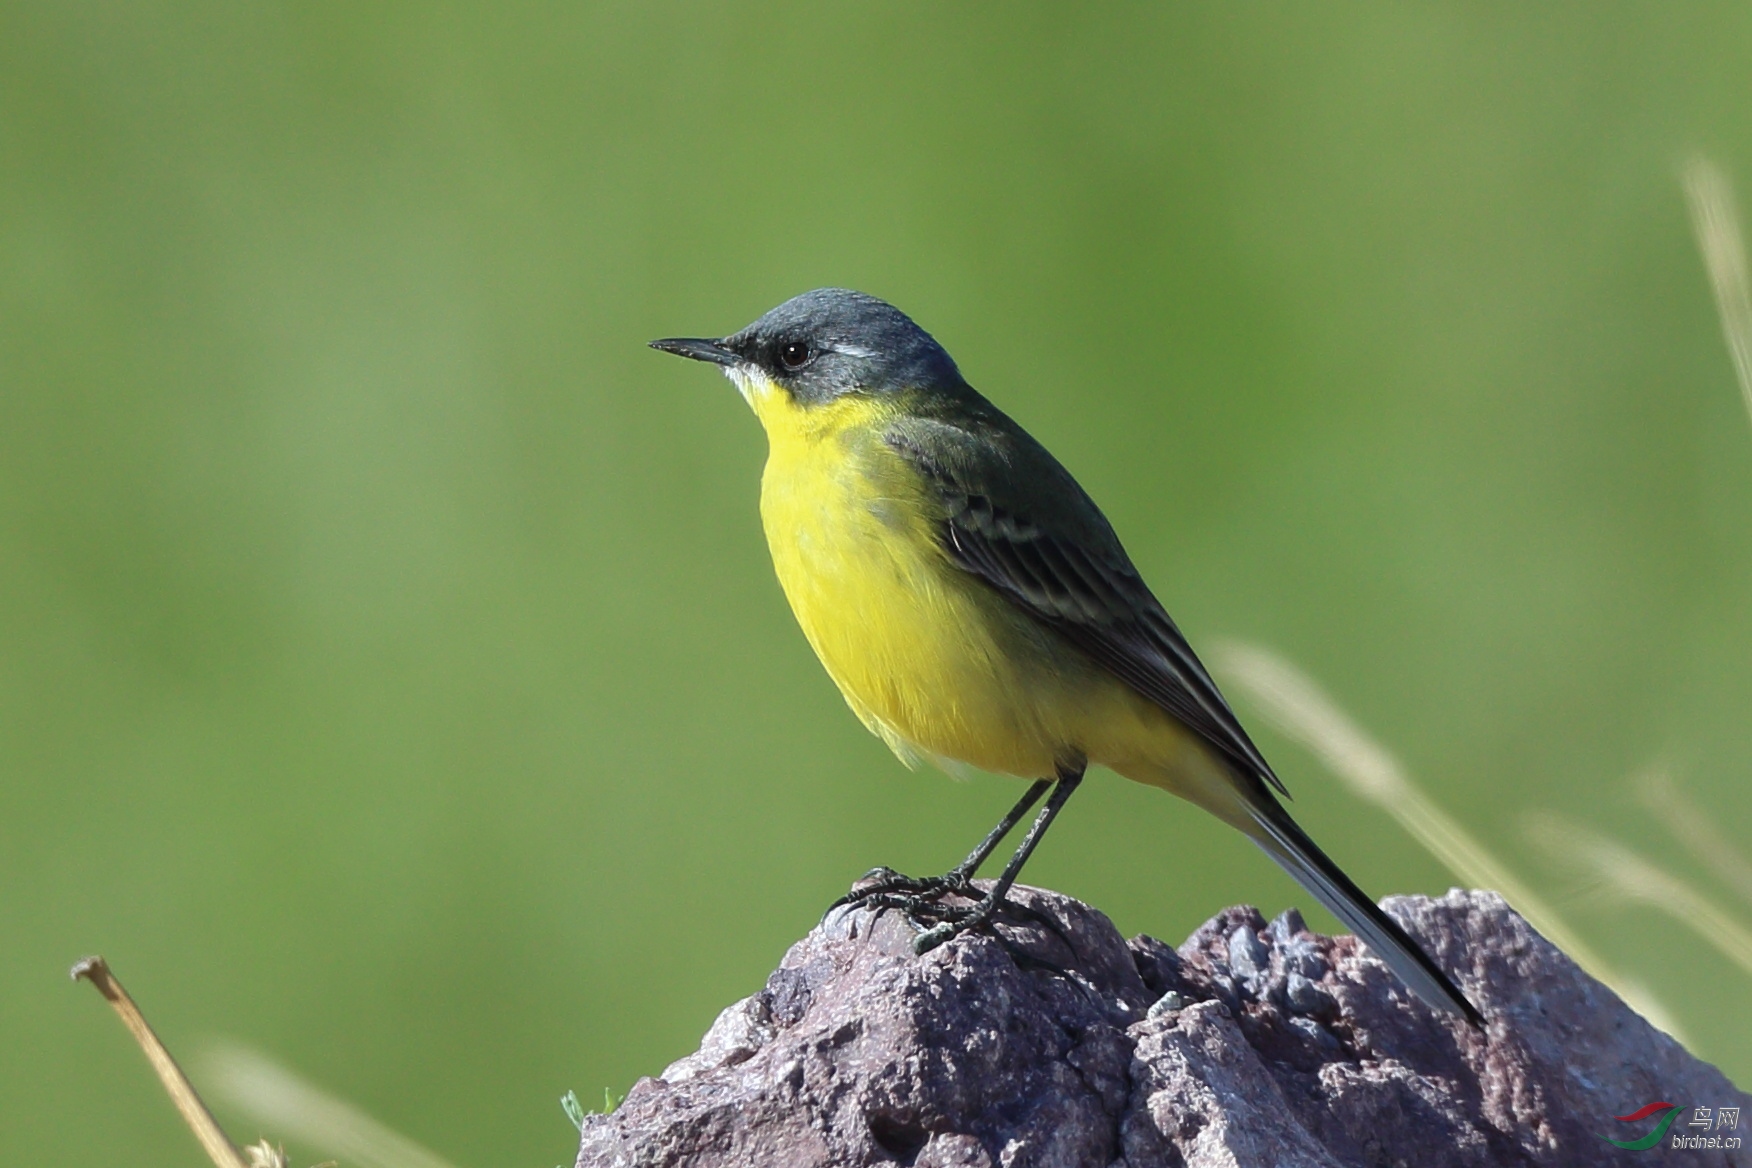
885,884
926,904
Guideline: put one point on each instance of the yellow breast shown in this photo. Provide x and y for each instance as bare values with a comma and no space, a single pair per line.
932,661
935,662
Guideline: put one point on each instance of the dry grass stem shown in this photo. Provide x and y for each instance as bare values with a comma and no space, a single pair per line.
282,1100
188,1103
1717,224
1635,878
1694,830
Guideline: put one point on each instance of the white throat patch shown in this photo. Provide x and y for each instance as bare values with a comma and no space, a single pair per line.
750,382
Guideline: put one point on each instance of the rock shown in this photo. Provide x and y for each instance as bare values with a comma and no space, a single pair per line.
1058,1044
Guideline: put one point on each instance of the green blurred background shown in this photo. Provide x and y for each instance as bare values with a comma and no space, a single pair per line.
392,676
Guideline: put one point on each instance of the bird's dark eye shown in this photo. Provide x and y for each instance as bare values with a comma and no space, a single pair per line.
795,355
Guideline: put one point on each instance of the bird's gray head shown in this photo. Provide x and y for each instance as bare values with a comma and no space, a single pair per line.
828,343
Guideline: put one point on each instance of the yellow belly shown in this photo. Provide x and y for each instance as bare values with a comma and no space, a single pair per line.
930,658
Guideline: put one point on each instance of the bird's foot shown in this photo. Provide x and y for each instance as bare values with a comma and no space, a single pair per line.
926,903
884,888
953,920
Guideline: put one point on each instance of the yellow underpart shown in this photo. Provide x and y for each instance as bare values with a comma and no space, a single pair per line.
933,660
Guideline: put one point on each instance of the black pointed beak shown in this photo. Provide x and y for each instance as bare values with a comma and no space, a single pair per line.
698,349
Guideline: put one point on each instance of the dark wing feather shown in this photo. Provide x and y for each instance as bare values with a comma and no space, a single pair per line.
1016,519
1078,582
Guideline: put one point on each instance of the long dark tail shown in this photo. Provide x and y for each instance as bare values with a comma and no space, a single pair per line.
1302,858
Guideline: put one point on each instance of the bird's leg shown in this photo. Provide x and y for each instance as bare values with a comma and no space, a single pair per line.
957,921
885,888
963,872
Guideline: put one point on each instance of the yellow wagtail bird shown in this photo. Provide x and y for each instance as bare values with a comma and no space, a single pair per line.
974,606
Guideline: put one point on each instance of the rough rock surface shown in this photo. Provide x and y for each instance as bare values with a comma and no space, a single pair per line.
1058,1043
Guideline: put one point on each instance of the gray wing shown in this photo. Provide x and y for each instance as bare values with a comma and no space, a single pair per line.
1017,520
